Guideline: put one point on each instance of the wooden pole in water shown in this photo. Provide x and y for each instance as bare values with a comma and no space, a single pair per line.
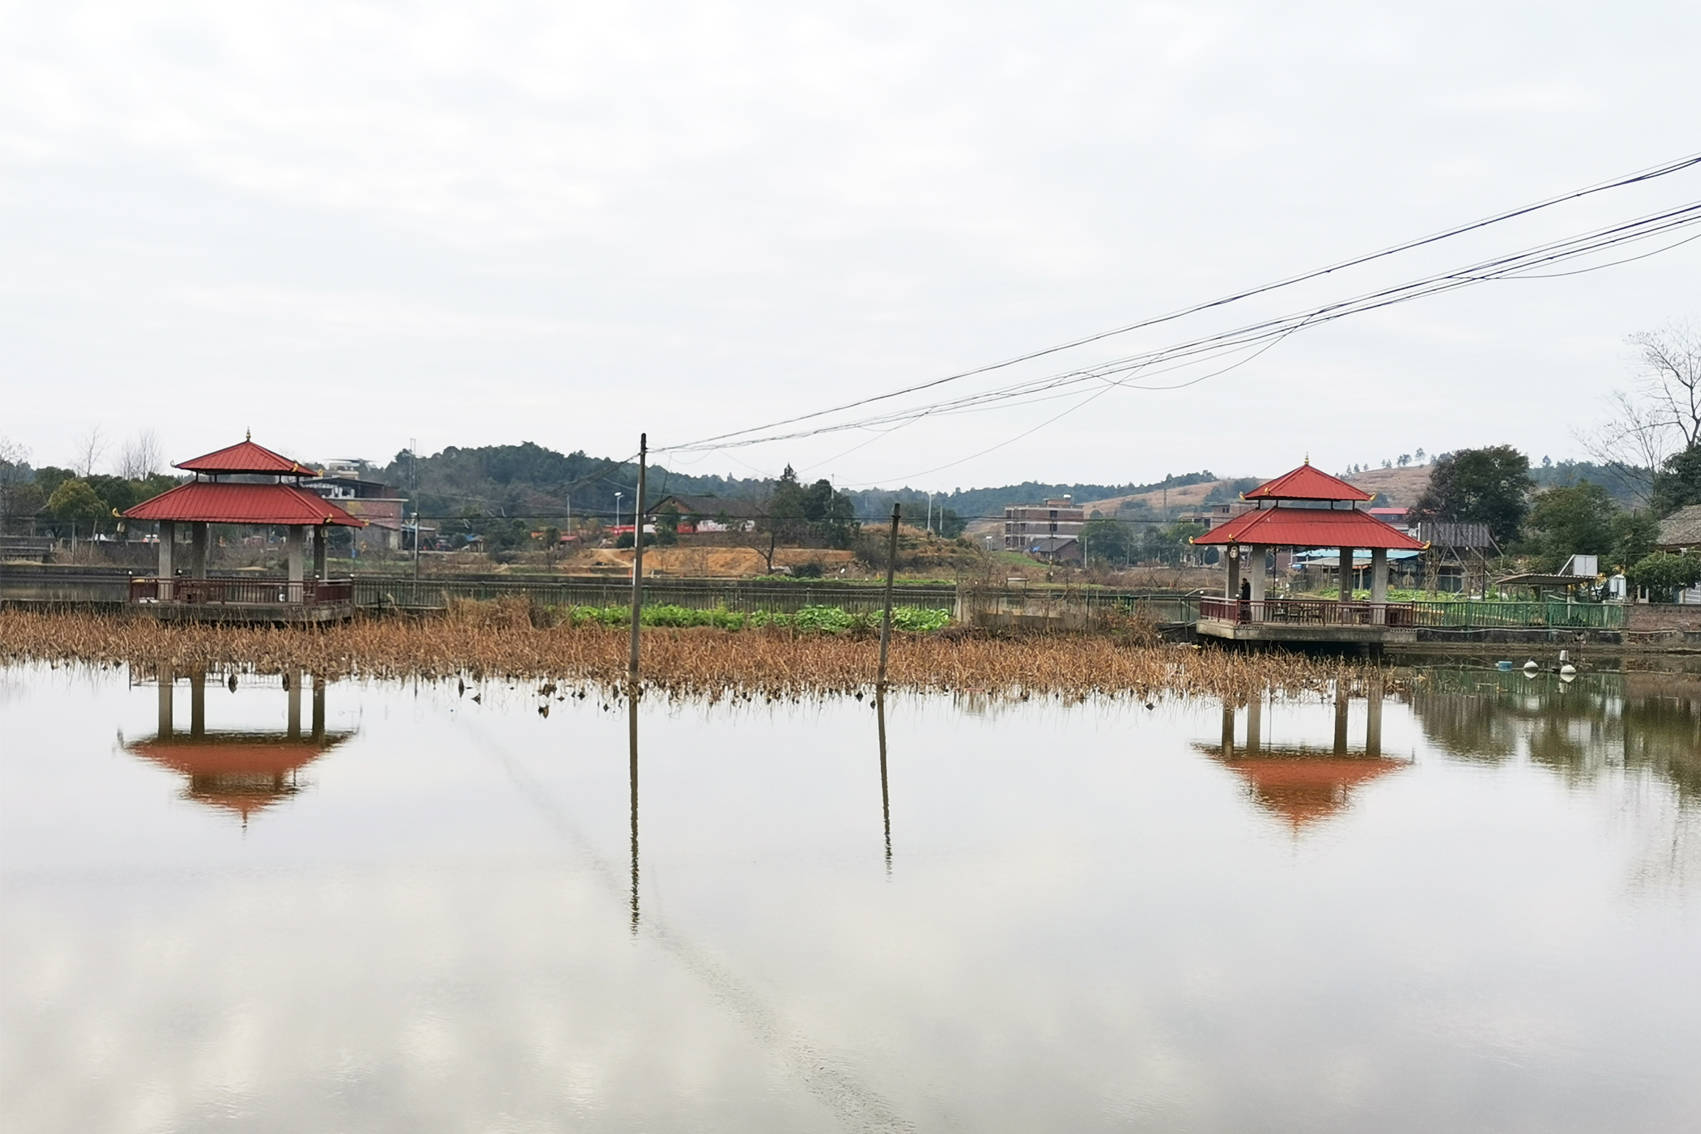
886,620
637,565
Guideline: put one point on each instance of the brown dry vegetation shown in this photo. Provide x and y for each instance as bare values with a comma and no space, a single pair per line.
498,640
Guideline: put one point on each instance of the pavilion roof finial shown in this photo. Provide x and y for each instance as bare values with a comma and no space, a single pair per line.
1308,458
248,435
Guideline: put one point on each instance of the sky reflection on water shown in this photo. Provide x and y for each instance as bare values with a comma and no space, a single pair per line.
1471,908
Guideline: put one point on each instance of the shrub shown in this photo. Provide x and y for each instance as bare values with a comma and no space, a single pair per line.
1663,573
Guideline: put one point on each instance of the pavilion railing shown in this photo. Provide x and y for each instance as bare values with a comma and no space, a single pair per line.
1434,615
247,590
1309,612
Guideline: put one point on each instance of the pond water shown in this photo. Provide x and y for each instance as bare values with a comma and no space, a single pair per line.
1472,904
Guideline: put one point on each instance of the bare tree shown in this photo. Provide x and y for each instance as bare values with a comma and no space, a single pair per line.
89,449
1632,440
140,457
1671,379
13,455
1660,416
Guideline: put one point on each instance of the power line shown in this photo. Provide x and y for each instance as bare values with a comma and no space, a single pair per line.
1509,266
1641,176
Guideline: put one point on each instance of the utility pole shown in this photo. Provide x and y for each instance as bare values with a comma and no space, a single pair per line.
637,566
413,477
886,620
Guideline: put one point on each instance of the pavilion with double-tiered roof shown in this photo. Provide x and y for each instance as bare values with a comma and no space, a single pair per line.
249,485
1305,509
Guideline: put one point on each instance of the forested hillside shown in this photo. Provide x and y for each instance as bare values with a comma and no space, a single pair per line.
529,482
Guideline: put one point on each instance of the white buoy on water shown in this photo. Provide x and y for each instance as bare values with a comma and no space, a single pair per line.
1568,670
1531,666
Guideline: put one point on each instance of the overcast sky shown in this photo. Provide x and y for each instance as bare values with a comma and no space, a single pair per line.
347,225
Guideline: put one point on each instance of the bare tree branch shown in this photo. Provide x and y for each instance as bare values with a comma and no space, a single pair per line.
141,456
1671,377
89,450
1660,417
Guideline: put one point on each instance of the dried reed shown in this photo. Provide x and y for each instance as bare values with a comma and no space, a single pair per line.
493,640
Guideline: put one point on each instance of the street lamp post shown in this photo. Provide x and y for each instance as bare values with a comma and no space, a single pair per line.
617,497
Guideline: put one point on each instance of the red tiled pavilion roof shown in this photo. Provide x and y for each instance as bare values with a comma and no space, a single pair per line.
246,457
1308,483
234,753
238,772
223,502
1302,786
1311,527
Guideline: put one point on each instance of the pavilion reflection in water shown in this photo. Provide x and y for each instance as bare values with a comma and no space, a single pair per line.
1298,782
238,770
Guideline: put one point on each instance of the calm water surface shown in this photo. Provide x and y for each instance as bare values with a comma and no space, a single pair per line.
1476,906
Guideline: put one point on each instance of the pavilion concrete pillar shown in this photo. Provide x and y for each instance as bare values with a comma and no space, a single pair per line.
295,554
1258,579
1231,556
167,536
198,535
1228,727
321,540
1378,585
1346,574
1255,723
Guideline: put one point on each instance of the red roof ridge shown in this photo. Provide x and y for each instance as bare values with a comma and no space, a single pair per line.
1308,483
246,457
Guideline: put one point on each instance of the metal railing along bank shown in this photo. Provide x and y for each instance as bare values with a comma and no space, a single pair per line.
246,590
1426,615
378,592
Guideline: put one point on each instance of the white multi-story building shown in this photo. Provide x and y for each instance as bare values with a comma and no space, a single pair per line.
1026,524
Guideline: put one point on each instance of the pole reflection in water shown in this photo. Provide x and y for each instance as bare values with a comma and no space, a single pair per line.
632,780
885,797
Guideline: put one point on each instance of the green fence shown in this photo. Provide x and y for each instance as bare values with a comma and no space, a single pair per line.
1535,615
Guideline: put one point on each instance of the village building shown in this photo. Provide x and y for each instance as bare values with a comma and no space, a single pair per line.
704,514
1680,534
1026,524
381,505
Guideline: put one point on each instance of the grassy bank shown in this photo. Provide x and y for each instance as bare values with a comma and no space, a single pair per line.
485,642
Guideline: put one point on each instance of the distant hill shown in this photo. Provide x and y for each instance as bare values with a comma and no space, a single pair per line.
527,481
530,485
1394,488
